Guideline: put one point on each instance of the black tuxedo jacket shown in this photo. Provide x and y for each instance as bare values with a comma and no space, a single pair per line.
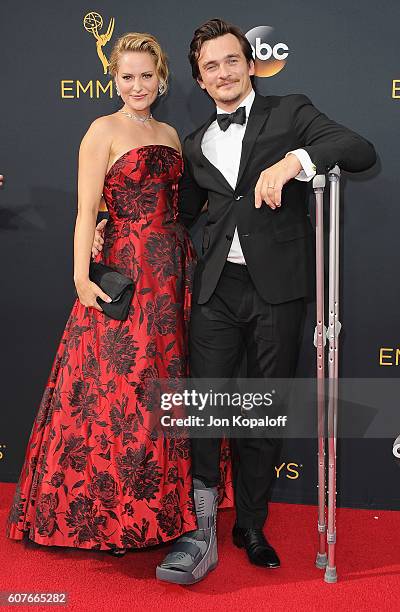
277,244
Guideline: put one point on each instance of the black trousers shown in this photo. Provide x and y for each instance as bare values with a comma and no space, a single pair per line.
237,318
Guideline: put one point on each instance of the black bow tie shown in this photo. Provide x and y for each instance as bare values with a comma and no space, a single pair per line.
225,119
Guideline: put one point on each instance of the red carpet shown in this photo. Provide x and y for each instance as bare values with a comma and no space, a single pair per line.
368,563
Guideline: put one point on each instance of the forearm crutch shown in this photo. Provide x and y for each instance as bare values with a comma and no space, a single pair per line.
326,560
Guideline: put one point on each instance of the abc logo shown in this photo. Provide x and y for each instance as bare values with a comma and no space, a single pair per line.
269,55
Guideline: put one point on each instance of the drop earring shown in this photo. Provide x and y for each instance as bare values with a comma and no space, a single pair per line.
117,90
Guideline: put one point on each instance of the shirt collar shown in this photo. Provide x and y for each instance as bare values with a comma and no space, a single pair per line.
247,103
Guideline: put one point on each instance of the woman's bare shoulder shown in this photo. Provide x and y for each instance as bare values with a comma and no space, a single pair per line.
171,134
105,123
102,129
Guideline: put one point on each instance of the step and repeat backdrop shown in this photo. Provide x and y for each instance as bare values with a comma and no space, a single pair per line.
344,56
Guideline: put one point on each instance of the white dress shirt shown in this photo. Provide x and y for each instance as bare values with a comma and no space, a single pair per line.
224,149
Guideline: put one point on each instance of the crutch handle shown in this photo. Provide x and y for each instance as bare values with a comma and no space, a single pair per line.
334,172
319,181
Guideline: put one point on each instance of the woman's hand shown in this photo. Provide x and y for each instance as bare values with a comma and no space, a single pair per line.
88,293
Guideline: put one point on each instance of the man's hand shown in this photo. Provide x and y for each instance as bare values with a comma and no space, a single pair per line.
98,239
271,181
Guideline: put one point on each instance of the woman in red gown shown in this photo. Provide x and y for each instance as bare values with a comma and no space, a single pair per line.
95,476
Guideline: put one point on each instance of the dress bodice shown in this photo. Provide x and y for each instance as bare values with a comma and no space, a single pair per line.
141,186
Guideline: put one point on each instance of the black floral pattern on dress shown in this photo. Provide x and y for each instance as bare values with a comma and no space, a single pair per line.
57,479
123,424
148,390
118,350
104,488
86,521
137,535
161,315
160,163
75,453
46,517
169,516
135,201
139,473
177,367
179,448
83,401
160,255
173,475
91,365
126,260
75,333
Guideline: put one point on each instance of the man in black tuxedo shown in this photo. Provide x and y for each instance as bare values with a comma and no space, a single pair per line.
251,161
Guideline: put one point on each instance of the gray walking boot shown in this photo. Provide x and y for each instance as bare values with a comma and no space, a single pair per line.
195,553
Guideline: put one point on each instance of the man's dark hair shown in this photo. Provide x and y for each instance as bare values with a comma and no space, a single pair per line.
213,29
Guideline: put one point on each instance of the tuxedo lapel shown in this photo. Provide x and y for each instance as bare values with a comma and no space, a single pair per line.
201,159
259,114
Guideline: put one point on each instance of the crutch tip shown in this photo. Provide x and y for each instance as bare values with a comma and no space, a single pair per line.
321,561
330,575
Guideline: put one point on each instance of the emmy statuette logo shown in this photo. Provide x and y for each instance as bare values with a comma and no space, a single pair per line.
92,22
74,89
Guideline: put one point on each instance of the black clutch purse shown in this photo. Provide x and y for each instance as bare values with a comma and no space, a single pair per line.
119,287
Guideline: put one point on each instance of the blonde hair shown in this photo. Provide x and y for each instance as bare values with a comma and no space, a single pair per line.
144,43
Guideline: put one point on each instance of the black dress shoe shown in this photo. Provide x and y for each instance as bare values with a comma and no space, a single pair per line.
259,551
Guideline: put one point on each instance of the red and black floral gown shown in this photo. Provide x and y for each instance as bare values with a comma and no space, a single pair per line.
94,476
